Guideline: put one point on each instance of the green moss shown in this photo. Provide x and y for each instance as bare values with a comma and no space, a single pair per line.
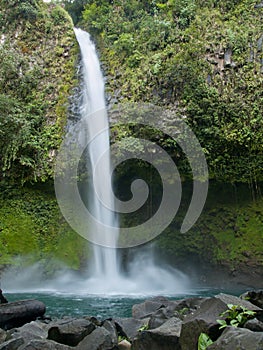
31,226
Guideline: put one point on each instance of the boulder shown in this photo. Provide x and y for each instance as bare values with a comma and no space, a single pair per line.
70,331
255,297
18,313
254,325
165,337
2,336
99,339
204,319
124,345
29,331
129,327
44,345
12,344
238,338
148,307
110,326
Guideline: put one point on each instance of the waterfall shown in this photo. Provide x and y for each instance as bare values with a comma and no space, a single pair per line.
143,275
105,260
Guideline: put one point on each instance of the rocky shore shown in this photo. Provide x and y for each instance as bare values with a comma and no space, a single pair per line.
156,324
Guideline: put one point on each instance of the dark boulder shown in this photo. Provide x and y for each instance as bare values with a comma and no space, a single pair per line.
255,297
18,313
238,338
99,339
2,336
254,325
148,307
70,331
12,344
204,319
165,337
129,327
44,345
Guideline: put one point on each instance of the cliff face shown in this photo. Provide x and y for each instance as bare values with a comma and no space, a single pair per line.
37,57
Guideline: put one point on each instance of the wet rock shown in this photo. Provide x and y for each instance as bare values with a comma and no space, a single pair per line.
12,344
99,339
111,328
2,336
255,297
30,331
18,313
147,308
238,338
204,319
129,327
165,337
70,332
254,325
44,345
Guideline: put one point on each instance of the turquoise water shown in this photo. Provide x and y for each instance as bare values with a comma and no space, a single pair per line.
59,304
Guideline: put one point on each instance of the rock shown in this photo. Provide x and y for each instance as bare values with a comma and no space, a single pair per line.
227,57
186,306
204,319
18,313
30,331
2,336
254,296
238,338
99,339
111,328
147,308
12,344
254,325
165,337
70,331
44,345
129,327
124,345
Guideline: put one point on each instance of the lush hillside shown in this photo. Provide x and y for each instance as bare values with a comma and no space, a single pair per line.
38,52
37,57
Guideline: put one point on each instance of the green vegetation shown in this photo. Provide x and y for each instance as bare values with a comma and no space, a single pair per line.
37,69
235,316
31,226
204,341
203,59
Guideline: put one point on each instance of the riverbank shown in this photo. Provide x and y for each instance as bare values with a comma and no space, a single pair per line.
157,324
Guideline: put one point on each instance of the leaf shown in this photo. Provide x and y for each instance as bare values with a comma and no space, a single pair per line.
204,341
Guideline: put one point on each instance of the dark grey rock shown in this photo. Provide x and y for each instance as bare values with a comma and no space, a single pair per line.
238,339
12,344
165,337
70,331
30,331
44,345
129,327
148,307
99,339
18,313
204,319
254,325
254,296
111,328
162,315
2,336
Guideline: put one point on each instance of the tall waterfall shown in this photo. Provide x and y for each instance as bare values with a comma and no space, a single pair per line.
105,260
142,275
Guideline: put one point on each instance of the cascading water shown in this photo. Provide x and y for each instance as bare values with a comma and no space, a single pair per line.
105,260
